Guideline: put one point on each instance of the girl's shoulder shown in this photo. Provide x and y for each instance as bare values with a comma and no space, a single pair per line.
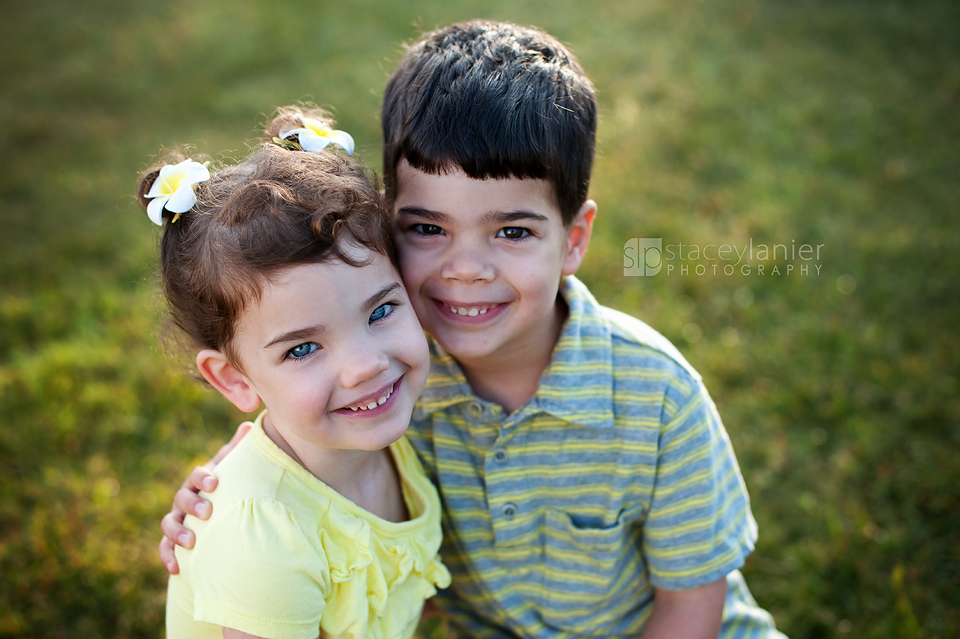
250,470
255,562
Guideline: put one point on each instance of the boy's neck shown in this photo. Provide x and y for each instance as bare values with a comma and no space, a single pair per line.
512,378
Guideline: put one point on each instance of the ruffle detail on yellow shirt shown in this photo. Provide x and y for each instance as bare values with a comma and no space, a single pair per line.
365,569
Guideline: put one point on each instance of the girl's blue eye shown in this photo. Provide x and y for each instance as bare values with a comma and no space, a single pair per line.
302,350
513,233
380,312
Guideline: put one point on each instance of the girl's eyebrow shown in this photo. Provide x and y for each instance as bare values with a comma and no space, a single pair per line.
312,331
297,335
378,297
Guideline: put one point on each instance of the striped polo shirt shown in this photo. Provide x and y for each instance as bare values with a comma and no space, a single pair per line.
616,477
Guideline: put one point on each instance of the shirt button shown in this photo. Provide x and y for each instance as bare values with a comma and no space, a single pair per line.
475,409
509,510
500,455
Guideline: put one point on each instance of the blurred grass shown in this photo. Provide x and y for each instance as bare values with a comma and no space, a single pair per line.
822,122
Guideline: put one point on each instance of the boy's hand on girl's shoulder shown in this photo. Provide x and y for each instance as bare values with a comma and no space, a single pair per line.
187,500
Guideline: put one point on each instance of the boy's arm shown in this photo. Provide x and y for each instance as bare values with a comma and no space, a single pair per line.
186,500
699,527
693,614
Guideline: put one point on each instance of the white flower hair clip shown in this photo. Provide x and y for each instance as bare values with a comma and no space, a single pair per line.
314,136
173,190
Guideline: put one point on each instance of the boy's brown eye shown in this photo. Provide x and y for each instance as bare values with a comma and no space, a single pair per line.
428,229
513,233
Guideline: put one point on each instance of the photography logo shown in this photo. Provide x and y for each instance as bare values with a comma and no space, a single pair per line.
642,256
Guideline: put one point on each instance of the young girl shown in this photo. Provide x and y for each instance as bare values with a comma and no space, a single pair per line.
282,270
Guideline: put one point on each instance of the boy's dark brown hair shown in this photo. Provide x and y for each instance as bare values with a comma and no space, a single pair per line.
496,100
276,209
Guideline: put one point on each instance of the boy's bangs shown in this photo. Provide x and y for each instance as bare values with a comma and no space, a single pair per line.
476,135
477,155
497,101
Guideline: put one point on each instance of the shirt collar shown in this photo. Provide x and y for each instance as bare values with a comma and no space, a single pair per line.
582,358
446,384
582,361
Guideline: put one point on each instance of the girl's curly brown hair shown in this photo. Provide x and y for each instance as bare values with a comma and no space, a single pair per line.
276,209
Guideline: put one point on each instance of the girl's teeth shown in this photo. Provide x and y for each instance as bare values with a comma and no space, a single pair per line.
380,401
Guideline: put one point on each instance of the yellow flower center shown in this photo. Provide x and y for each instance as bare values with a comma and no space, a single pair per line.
172,182
320,128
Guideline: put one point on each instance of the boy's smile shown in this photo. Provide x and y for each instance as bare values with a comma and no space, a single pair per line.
482,261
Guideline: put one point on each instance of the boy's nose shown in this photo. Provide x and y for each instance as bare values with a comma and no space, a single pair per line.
466,266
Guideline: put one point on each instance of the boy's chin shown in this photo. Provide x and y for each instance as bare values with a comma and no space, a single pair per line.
467,348
503,342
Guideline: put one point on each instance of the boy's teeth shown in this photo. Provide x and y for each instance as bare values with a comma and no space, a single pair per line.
472,312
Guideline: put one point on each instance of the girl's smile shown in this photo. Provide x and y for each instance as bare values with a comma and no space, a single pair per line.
372,403
336,354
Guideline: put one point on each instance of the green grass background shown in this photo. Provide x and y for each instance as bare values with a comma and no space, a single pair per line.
828,123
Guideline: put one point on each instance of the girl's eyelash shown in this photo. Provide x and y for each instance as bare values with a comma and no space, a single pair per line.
313,346
391,306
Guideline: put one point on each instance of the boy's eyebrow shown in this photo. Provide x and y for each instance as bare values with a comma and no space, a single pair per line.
500,217
432,216
504,217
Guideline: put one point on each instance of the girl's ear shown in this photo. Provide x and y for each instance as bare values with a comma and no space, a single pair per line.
231,383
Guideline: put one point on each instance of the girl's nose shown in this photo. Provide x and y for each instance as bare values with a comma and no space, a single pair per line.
363,364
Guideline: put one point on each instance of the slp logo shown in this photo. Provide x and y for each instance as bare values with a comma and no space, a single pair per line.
642,256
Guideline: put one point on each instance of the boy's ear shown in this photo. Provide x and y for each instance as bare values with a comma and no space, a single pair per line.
578,237
231,383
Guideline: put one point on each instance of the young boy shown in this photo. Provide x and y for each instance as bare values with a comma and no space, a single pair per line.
589,487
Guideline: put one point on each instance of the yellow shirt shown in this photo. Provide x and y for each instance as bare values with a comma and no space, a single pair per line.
284,555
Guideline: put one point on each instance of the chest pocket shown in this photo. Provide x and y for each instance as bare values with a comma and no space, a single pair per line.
588,571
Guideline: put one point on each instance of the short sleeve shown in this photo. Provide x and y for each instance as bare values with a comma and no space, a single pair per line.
699,527
255,570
